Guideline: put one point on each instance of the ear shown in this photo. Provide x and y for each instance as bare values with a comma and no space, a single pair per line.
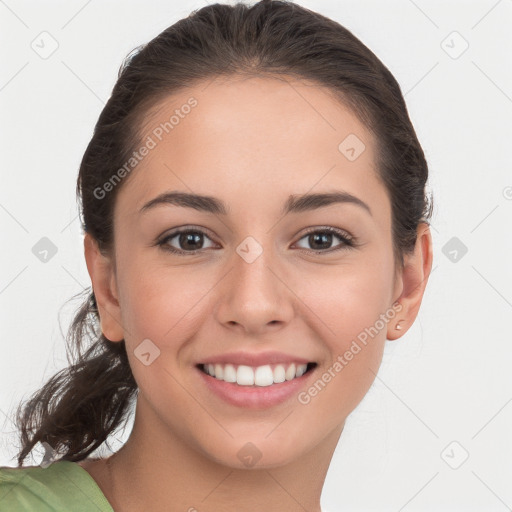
412,281
103,278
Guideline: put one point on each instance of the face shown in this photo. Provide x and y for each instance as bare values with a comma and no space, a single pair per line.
255,276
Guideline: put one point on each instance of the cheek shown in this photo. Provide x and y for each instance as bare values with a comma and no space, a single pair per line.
348,298
352,304
160,301
161,305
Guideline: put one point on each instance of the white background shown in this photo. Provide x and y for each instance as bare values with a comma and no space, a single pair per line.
448,379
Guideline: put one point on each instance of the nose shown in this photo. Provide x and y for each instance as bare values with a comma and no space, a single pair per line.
254,296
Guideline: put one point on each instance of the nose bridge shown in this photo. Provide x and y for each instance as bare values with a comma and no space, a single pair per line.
253,261
252,267
253,296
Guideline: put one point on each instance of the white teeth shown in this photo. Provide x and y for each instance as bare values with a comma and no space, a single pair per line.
279,374
290,373
229,373
245,376
259,376
301,370
263,376
219,371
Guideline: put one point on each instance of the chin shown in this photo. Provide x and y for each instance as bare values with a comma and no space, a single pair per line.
256,452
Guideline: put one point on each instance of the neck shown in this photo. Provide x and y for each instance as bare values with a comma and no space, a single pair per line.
156,468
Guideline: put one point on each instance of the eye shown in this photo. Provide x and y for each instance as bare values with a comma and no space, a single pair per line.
320,240
189,241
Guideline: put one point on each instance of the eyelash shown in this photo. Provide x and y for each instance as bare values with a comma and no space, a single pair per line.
348,241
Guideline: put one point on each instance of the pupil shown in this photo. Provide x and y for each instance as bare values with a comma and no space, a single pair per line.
185,238
325,236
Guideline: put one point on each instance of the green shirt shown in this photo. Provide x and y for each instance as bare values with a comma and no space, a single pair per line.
63,486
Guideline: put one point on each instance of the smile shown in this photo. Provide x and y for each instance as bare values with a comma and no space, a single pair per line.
266,375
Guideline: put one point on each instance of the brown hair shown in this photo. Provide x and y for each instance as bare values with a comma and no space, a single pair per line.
79,407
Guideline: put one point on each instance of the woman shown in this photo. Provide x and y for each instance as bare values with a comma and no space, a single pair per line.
256,227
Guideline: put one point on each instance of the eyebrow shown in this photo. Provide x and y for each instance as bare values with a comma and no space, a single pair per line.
294,204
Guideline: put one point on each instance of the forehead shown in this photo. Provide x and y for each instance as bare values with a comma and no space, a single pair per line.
254,136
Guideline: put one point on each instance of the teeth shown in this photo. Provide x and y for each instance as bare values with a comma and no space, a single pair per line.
301,370
290,373
260,376
263,376
229,373
279,374
219,371
244,376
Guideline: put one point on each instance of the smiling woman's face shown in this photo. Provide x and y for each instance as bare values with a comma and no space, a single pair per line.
252,280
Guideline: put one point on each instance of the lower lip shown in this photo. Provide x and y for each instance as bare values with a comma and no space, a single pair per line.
255,397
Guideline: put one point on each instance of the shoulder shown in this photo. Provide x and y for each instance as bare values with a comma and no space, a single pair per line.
61,486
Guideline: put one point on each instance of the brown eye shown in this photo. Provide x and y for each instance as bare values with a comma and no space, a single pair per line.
321,240
185,241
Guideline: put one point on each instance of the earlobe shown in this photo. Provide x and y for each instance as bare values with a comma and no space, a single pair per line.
415,274
103,280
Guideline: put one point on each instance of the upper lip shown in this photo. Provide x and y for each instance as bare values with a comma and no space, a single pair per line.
255,359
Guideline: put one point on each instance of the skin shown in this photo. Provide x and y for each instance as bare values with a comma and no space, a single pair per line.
250,142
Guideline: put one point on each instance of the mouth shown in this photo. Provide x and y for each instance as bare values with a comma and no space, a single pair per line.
257,376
